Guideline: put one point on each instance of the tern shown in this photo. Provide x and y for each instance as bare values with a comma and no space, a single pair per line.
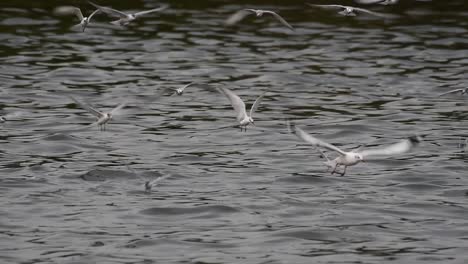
355,156
381,2
150,184
350,10
461,91
102,117
243,118
241,14
178,91
84,21
124,18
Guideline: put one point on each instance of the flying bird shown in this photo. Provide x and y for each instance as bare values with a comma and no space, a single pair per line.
124,18
241,14
461,91
84,21
351,11
243,118
178,91
102,117
356,156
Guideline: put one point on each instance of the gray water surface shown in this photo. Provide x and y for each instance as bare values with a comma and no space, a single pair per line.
75,195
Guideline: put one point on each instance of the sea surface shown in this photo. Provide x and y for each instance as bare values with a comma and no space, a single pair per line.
70,193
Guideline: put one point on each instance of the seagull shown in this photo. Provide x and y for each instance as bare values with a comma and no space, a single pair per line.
178,91
102,117
84,21
355,156
124,18
239,106
350,10
241,14
150,184
381,2
461,91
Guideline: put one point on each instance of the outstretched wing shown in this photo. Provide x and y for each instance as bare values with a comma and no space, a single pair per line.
66,10
92,14
236,102
109,11
328,6
237,16
88,108
118,108
141,13
185,86
455,91
256,104
369,2
312,140
394,149
280,19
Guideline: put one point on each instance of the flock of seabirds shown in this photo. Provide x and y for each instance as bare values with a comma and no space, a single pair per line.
244,118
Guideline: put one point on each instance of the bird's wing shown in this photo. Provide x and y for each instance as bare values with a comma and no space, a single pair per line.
236,102
93,13
394,149
185,86
312,140
237,16
327,6
369,2
141,13
280,18
373,13
109,11
256,104
118,108
66,10
88,108
453,91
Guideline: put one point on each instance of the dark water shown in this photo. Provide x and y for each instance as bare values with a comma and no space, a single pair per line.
262,196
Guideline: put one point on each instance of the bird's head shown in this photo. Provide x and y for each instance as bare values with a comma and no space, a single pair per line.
358,157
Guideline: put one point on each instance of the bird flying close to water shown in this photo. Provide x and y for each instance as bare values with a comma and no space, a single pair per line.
356,156
241,14
124,18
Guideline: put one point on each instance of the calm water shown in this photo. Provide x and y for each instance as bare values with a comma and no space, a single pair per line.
262,196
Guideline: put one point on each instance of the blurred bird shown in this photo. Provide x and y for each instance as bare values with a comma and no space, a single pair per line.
241,14
124,18
351,11
178,91
102,117
84,21
356,156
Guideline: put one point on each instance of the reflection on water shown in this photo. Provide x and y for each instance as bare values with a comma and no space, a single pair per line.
76,195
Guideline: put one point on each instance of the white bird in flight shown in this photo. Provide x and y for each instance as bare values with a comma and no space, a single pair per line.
461,91
150,184
178,91
243,118
241,14
351,10
124,18
102,117
356,156
84,21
